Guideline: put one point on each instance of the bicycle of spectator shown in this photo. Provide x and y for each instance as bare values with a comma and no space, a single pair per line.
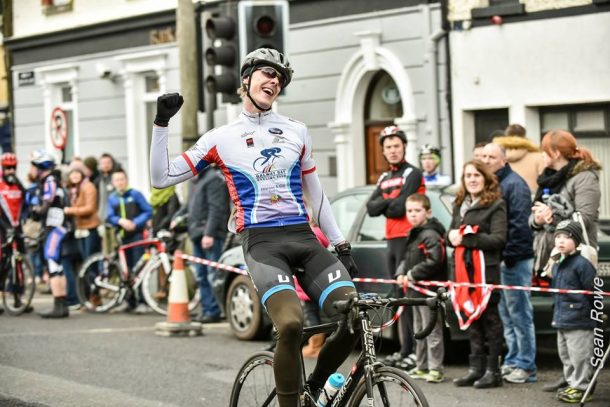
19,283
369,382
105,281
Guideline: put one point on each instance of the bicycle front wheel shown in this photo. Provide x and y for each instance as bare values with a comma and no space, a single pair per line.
391,387
19,286
255,383
156,283
99,283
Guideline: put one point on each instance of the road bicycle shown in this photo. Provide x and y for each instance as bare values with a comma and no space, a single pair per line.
19,283
369,382
105,281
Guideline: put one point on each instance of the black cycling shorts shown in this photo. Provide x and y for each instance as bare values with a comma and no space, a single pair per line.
274,254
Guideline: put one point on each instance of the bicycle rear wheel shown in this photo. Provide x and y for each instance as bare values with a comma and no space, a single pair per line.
255,383
19,286
99,283
156,283
391,387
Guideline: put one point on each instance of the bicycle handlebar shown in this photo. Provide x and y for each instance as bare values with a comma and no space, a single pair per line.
436,304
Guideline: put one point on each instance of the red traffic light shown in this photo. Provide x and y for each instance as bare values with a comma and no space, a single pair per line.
264,26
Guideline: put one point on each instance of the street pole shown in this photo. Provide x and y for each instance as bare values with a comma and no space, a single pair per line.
187,40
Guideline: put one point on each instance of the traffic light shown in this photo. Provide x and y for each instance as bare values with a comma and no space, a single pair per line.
263,24
222,54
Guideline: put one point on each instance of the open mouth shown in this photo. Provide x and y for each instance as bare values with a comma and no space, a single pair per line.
268,91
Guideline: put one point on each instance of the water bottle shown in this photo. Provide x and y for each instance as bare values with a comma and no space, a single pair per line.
546,194
333,384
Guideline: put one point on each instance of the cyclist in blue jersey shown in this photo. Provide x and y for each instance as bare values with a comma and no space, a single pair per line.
267,164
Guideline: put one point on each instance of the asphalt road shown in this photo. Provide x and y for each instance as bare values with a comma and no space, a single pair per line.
117,360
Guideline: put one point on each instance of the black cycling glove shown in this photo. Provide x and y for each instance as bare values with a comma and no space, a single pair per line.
167,106
344,253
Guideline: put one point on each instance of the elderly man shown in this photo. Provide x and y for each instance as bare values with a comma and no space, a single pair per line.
518,259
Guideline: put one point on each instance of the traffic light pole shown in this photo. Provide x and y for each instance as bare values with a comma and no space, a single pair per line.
185,21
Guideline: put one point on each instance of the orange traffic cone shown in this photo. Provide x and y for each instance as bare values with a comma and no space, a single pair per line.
178,318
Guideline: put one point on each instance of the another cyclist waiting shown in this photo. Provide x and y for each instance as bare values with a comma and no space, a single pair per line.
12,199
267,163
129,211
424,259
50,211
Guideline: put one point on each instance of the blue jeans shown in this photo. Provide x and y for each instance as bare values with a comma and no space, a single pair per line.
90,244
131,258
68,265
517,316
205,276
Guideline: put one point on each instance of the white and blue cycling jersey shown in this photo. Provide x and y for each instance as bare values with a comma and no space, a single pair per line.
267,163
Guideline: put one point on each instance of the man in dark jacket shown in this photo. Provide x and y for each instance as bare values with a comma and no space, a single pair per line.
515,307
208,213
393,188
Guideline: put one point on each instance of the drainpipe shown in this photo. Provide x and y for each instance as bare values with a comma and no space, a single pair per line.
433,125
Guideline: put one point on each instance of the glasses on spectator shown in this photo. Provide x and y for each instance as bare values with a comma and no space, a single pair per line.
9,167
271,73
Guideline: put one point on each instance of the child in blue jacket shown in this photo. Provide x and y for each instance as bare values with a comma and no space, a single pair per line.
572,312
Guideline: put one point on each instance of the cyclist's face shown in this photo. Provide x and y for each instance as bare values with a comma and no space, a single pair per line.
393,150
428,163
264,87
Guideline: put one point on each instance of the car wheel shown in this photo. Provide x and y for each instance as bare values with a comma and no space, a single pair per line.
244,310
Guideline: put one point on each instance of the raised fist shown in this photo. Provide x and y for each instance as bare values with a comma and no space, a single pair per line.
167,106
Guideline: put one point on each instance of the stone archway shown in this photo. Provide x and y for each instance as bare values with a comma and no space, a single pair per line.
348,127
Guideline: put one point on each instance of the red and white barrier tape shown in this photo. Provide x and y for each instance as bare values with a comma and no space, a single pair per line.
416,287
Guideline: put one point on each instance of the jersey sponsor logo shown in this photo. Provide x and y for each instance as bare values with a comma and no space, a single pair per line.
264,165
275,199
247,134
275,130
283,279
391,183
334,276
250,142
279,140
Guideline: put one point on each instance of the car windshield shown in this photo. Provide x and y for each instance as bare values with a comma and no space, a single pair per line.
345,208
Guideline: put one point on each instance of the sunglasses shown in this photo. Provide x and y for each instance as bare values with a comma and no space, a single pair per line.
271,73
9,167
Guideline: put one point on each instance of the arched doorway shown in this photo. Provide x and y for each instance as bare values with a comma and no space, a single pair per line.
382,106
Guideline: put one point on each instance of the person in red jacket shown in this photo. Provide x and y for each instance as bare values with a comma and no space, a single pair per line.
393,187
12,197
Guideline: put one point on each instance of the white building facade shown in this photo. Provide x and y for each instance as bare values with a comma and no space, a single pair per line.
358,67
543,65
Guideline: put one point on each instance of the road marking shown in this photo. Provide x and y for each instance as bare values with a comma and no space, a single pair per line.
219,325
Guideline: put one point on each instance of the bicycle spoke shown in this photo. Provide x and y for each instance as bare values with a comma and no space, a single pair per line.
255,383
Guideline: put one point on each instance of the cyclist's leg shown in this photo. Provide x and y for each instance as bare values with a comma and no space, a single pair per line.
269,269
57,279
284,309
326,280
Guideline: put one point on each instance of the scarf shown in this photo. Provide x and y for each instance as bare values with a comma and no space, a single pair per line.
554,179
469,302
159,197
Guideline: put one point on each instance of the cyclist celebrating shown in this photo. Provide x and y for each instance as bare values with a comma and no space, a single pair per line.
51,199
12,200
267,164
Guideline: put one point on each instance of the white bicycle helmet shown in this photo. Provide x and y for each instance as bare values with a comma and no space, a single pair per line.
267,57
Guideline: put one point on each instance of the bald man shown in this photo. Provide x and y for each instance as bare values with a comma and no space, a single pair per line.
517,265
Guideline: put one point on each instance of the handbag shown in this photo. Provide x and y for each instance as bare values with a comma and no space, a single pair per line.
586,250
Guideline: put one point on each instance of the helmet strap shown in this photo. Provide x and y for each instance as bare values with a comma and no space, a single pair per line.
250,97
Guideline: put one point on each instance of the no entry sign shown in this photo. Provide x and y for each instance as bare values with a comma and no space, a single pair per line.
59,128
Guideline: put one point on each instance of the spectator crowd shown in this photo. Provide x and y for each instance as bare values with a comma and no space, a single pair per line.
522,212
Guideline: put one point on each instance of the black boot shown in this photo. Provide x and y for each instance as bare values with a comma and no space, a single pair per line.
60,309
492,376
475,372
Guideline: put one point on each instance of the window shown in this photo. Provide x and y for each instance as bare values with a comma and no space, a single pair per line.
151,92
383,100
590,124
345,209
584,121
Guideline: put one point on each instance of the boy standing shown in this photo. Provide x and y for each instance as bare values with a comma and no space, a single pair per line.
424,259
571,312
